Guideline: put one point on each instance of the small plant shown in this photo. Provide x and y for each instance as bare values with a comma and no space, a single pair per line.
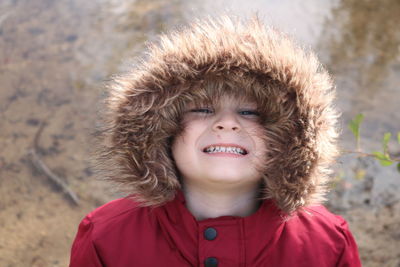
354,126
383,156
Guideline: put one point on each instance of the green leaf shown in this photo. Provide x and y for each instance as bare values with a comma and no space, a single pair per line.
398,167
398,137
354,125
385,142
384,160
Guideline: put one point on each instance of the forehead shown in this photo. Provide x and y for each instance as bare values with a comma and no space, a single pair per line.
217,91
227,100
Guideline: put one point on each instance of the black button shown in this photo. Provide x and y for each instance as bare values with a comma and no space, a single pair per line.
210,233
211,262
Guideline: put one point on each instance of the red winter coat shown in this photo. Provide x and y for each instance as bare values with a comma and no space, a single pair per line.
122,234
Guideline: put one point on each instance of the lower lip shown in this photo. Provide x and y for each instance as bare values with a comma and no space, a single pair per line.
222,154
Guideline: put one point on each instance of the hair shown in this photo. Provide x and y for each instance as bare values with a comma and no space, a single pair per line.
201,63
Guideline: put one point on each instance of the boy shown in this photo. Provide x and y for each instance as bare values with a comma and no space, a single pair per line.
223,139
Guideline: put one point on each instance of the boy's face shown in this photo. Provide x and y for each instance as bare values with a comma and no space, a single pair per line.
206,152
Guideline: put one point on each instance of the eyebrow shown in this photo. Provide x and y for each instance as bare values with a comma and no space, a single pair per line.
247,103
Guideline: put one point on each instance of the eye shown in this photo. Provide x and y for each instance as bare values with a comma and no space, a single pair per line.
249,113
202,110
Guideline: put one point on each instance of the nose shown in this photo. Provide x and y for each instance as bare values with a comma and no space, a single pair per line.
226,122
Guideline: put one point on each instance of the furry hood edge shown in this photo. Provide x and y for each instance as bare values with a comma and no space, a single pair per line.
144,105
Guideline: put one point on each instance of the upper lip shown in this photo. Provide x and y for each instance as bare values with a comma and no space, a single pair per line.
227,145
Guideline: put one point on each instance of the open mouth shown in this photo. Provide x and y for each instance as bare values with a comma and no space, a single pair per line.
225,149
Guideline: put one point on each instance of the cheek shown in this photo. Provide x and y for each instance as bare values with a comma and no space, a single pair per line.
260,143
183,144
178,148
261,149
183,153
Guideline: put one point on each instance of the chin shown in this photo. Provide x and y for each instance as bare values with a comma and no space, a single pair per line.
231,179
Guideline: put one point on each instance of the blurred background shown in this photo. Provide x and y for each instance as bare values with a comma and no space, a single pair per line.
55,57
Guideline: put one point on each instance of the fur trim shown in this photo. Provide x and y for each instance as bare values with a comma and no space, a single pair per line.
289,84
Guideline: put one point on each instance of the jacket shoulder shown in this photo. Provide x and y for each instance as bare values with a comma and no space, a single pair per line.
321,215
317,235
320,224
107,222
105,225
335,232
113,210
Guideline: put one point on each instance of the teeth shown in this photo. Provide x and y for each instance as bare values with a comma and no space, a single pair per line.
216,149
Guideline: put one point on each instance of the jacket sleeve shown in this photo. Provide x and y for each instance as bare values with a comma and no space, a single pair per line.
349,256
83,252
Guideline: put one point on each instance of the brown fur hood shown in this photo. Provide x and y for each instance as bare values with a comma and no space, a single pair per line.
288,82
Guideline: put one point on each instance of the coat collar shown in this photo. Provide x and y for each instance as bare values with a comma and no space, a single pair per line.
182,230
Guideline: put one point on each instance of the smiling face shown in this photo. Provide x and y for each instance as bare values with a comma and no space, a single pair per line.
220,146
